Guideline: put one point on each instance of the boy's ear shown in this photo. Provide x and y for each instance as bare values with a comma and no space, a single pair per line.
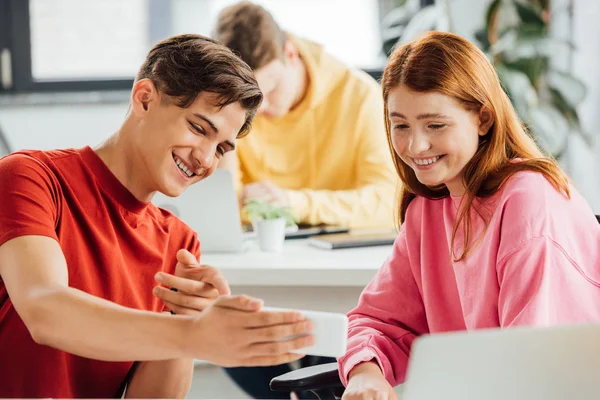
486,120
290,52
143,94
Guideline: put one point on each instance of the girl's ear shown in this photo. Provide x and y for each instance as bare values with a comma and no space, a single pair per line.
486,120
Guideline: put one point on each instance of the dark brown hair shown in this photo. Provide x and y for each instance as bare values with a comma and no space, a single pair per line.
183,66
451,65
250,31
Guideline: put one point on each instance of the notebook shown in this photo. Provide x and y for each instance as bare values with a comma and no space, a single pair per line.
354,239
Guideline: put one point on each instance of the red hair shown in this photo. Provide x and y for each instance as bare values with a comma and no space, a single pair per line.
451,65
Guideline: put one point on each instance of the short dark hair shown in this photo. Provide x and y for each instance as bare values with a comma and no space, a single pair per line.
250,31
183,66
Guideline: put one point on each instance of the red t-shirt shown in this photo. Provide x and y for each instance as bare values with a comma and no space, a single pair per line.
113,245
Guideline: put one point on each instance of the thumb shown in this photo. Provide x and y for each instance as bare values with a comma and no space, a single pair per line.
241,302
185,257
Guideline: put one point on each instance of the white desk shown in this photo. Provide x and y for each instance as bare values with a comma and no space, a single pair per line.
301,277
300,265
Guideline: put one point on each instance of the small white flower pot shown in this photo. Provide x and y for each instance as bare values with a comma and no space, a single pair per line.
270,234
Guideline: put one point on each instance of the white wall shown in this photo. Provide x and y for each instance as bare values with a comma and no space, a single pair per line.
347,28
467,16
584,162
60,126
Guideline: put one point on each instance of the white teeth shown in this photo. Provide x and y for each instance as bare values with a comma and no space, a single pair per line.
426,161
182,167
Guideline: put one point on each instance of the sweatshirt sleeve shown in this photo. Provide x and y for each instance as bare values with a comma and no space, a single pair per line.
389,316
541,285
371,203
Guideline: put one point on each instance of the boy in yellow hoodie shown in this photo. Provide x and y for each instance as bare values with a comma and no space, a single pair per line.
318,143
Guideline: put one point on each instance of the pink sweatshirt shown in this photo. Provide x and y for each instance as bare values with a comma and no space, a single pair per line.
538,263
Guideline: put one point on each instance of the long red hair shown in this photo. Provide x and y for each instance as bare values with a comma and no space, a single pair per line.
451,65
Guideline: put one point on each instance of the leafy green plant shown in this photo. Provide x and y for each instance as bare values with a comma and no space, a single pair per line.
256,210
517,40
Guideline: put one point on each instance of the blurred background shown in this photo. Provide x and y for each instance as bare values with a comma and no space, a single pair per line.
66,67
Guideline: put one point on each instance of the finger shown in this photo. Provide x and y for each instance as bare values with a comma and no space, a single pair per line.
263,361
215,278
189,286
179,310
282,347
181,299
258,190
271,188
252,188
269,318
277,332
239,302
203,273
185,257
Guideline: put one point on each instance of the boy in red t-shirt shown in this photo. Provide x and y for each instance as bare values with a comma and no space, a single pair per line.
87,261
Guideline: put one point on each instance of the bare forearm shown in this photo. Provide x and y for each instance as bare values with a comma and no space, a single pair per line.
367,367
161,379
76,322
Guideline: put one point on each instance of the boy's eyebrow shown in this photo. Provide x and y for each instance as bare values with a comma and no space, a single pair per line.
214,128
208,121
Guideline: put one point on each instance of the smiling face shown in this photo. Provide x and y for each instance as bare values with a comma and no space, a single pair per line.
178,147
435,135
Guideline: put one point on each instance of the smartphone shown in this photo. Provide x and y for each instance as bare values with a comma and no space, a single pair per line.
330,332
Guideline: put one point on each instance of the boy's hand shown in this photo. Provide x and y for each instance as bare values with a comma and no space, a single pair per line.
235,332
192,288
267,192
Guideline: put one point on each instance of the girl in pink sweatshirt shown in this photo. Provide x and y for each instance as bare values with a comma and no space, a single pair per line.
491,234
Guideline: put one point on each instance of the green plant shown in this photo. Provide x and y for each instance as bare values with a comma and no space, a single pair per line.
517,40
256,210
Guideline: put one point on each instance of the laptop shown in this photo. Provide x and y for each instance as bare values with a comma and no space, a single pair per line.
210,207
516,364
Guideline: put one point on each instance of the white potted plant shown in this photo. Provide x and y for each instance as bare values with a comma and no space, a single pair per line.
269,222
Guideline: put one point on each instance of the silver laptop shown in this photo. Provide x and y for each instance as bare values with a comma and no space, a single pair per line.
516,364
210,207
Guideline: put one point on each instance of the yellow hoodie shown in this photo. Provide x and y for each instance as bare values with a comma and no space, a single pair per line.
330,152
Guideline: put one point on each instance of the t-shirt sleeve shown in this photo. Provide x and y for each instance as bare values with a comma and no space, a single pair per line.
29,198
